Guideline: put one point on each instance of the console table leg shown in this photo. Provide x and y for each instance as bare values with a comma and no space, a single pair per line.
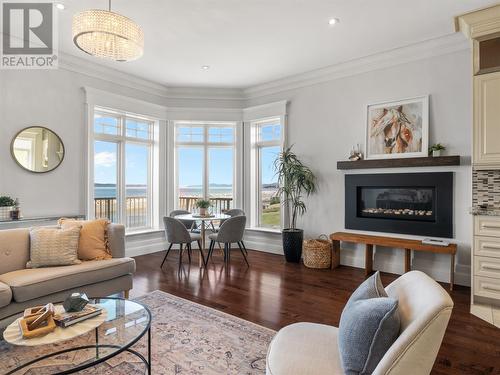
335,254
407,260
452,271
368,259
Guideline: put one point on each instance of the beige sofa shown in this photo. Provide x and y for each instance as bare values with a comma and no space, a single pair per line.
424,308
21,287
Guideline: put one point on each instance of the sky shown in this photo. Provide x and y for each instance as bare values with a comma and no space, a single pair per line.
190,159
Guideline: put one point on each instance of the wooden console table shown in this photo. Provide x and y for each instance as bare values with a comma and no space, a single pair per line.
398,243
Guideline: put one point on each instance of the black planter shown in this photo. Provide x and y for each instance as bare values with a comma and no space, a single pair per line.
292,244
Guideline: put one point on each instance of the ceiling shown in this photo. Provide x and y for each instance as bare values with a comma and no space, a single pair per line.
249,42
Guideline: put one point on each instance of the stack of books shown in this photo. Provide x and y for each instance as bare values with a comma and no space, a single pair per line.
67,319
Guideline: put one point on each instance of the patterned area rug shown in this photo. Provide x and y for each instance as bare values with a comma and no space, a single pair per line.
188,338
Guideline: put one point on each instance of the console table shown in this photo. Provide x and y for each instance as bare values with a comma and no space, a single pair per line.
399,243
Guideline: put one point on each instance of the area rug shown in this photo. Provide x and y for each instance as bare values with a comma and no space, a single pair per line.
187,338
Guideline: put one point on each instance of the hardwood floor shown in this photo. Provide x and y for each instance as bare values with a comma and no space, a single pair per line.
273,293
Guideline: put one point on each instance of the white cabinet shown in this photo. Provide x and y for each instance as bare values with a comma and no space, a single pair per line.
487,121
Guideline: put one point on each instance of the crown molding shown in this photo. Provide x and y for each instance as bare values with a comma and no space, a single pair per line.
430,48
94,70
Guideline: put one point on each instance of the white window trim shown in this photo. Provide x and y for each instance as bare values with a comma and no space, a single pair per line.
253,178
206,145
95,98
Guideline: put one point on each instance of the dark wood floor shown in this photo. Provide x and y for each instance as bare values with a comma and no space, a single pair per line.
273,293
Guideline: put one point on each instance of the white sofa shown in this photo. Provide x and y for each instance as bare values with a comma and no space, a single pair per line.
425,309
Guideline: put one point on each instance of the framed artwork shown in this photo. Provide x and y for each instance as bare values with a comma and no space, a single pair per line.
398,129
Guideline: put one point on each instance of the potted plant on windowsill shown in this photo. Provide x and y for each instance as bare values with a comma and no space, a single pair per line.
294,180
203,205
6,205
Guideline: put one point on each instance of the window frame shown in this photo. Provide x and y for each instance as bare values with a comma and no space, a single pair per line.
256,178
121,140
206,146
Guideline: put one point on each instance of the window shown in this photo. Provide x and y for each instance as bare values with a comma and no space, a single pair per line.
123,168
205,164
267,141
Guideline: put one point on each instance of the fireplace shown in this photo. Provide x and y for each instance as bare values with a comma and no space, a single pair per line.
409,203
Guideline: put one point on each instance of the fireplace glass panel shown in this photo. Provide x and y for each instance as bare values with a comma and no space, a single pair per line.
402,203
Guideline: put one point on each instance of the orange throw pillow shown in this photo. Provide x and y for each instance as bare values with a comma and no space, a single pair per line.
93,243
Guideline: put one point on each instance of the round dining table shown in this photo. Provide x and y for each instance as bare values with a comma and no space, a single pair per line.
206,222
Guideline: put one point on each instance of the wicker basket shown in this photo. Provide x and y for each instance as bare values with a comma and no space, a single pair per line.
318,252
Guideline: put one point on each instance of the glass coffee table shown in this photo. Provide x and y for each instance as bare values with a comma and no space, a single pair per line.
126,323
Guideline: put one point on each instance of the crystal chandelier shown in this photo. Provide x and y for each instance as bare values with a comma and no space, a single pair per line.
108,35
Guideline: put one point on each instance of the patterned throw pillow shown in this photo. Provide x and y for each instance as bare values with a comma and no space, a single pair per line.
93,244
53,247
369,325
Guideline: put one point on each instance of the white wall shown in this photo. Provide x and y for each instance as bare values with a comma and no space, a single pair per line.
325,120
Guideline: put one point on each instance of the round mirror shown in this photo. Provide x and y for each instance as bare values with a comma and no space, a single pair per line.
37,149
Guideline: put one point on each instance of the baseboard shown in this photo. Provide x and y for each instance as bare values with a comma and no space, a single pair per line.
386,261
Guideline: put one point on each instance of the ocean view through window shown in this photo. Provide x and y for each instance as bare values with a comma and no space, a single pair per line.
204,164
122,169
267,144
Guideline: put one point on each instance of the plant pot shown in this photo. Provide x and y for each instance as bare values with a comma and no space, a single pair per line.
5,212
292,244
436,153
203,211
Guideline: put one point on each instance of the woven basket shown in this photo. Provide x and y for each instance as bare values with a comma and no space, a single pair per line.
318,252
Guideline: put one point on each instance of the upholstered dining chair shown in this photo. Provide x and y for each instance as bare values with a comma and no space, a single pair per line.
234,212
424,310
177,233
189,224
231,231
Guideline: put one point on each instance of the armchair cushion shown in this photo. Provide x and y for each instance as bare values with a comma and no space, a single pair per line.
369,325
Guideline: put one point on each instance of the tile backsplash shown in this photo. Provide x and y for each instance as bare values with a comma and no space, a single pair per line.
486,188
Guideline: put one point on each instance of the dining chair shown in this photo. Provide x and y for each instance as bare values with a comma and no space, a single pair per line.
234,212
189,224
231,231
177,233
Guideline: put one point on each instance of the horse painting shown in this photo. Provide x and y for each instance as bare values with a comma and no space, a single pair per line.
396,129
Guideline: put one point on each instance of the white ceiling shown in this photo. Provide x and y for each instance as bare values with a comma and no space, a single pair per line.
248,42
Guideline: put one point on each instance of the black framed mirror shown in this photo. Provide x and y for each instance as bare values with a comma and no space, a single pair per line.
37,149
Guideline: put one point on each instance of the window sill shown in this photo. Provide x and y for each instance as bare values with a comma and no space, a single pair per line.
264,230
138,232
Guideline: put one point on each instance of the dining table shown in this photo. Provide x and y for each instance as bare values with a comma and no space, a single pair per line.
206,223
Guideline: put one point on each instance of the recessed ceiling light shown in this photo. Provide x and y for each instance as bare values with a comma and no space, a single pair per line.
60,6
333,21
205,67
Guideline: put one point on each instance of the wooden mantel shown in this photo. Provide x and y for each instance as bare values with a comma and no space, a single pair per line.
400,162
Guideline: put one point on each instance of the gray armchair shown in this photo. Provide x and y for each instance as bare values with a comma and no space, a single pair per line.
177,233
231,231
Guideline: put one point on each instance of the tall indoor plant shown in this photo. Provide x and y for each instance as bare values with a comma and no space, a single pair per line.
295,180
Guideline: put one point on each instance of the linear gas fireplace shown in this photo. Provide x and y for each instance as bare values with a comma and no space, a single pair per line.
409,203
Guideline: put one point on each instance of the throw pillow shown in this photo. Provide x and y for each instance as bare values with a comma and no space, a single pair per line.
53,247
369,325
93,243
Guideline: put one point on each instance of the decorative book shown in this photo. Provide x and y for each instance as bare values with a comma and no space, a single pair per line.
66,319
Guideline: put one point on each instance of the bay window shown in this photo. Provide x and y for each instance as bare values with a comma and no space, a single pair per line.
205,159
122,168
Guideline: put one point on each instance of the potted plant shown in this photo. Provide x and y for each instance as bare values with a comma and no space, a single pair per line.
203,205
435,149
6,205
295,180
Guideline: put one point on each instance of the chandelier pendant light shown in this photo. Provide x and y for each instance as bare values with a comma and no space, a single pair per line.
103,33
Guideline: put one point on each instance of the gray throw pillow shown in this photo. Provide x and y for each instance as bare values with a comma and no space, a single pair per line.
369,325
